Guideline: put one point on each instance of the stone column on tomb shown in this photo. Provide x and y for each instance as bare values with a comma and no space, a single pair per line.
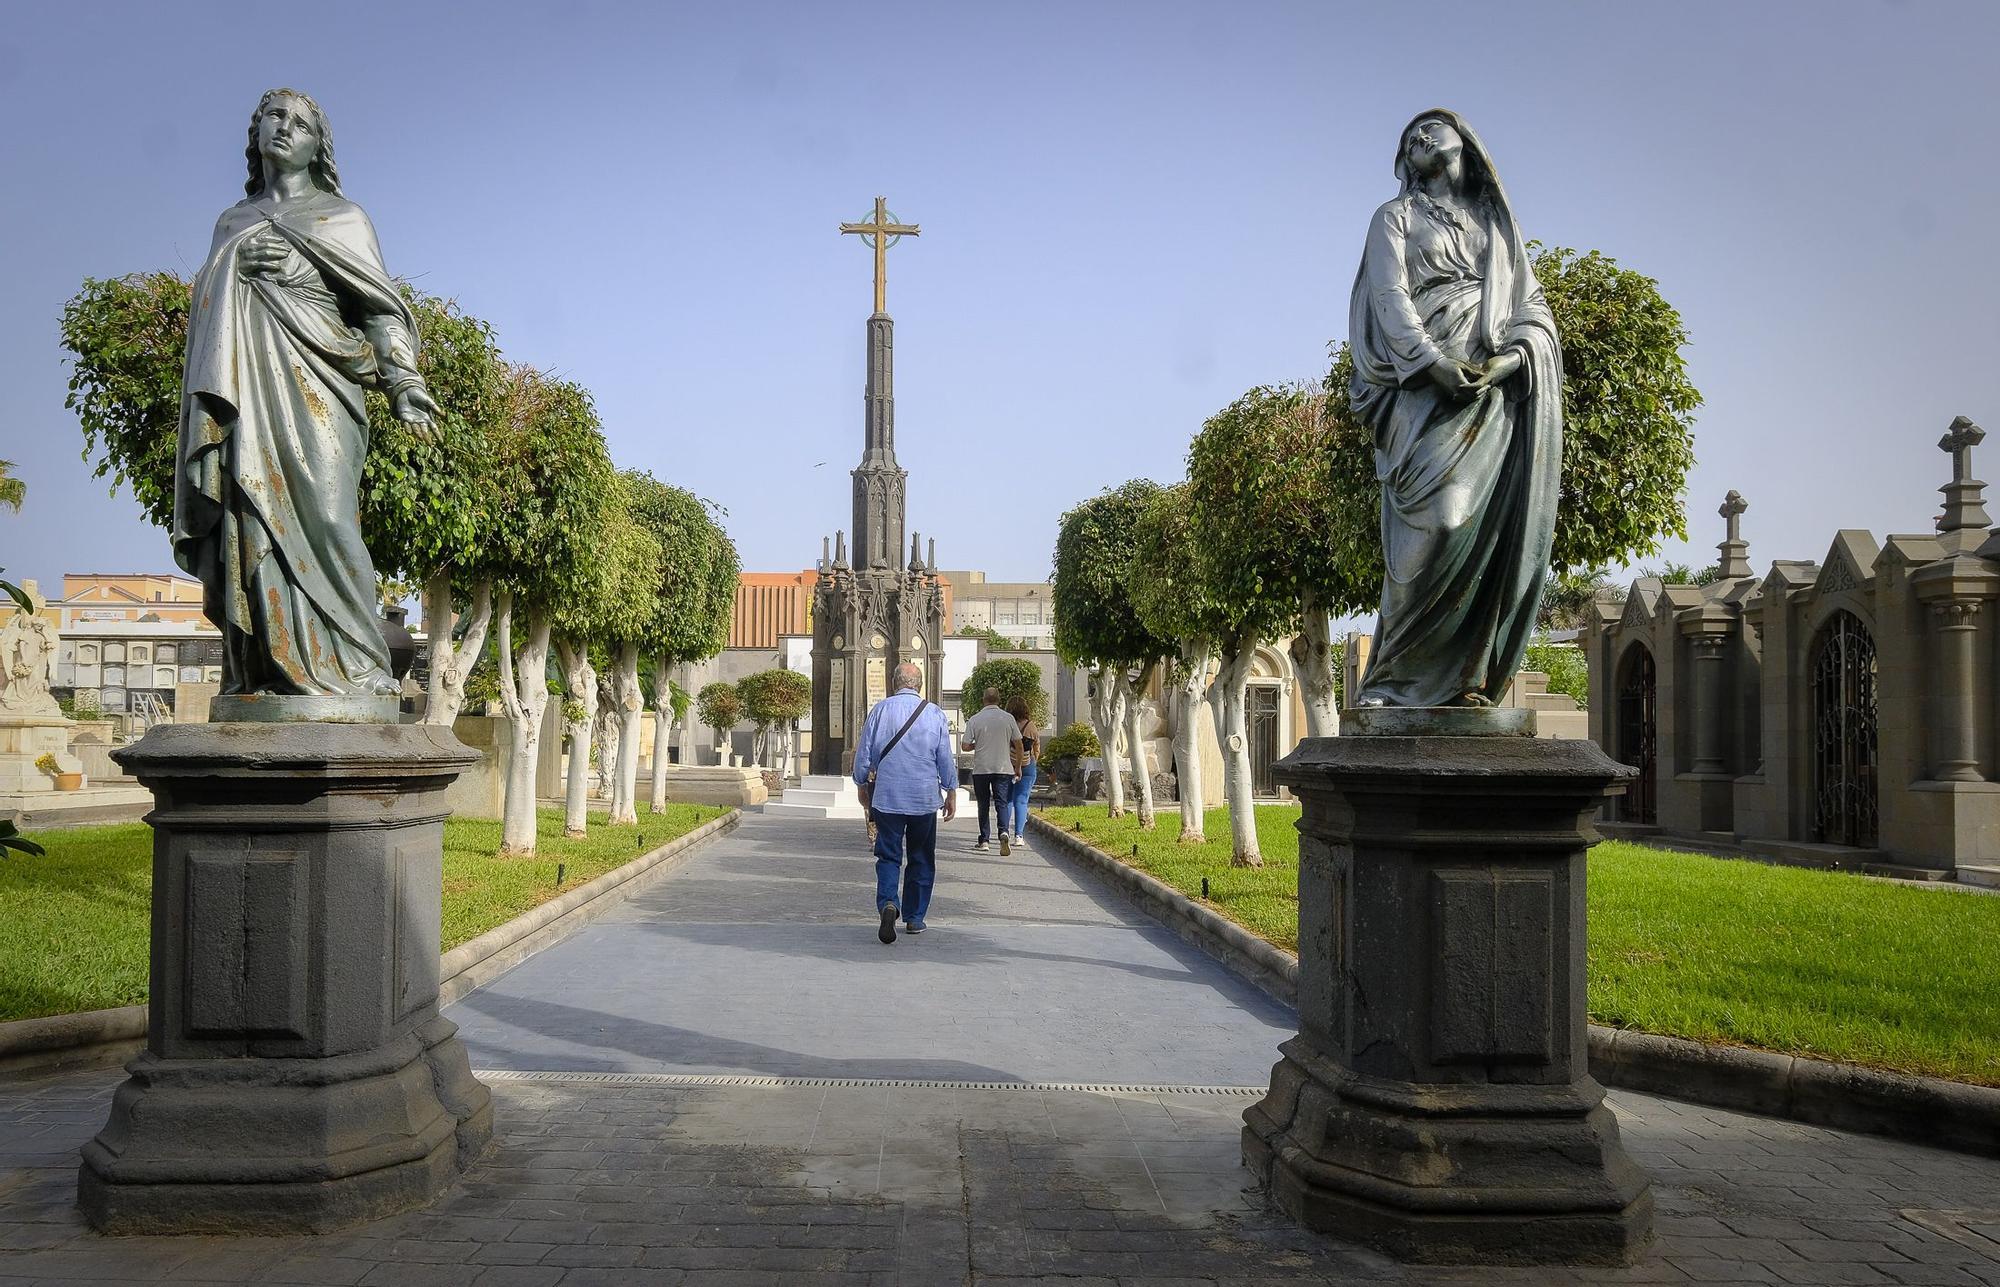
1957,756
297,1074
1954,587
1437,1102
1710,687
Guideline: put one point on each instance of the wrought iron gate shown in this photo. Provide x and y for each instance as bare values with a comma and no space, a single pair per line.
1638,733
1843,704
1261,701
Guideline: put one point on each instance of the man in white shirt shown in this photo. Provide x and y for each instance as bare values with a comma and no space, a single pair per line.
995,742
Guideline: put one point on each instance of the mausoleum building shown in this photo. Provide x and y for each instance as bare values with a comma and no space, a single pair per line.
1841,712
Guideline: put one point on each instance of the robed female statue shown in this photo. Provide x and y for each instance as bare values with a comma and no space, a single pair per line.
294,317
1458,372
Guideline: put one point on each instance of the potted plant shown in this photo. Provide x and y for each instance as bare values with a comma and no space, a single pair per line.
47,763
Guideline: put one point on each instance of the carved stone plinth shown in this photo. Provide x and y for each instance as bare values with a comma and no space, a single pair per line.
297,1075
1436,1104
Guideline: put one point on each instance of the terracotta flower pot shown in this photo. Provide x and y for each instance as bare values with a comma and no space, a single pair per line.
69,781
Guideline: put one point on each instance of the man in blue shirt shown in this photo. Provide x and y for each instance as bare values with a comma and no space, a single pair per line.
909,772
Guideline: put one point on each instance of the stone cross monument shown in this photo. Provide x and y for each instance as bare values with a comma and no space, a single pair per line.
872,610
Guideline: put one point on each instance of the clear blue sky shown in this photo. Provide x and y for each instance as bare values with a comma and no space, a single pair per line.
1131,213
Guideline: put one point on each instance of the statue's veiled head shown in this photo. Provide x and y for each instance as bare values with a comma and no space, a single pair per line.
1436,138
289,131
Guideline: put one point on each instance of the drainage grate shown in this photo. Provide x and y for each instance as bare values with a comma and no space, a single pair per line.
732,1079
1974,1230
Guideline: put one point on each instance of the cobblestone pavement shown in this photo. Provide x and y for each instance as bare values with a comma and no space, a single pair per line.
656,1175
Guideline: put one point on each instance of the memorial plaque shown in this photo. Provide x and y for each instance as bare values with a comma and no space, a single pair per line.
878,679
836,698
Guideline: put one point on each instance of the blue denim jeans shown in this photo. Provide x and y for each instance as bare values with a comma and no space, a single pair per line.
1020,800
993,791
893,831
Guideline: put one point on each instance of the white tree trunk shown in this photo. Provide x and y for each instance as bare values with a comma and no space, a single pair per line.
607,735
663,727
524,692
580,687
452,662
1187,738
1312,659
631,712
1142,769
1234,680
1105,708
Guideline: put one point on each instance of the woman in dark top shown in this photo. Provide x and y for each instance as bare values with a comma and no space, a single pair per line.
1030,738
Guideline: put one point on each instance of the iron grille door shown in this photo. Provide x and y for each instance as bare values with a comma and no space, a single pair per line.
1638,734
1843,696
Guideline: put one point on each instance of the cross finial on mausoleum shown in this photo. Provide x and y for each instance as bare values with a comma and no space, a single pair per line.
881,232
1735,551
1964,507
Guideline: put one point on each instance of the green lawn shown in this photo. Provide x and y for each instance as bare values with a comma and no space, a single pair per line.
1805,962
75,922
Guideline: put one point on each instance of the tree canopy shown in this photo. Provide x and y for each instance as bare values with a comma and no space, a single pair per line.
1095,620
1169,583
554,473
127,337
694,593
1014,677
775,697
719,706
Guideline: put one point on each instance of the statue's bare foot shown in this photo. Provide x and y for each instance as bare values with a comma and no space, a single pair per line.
1478,699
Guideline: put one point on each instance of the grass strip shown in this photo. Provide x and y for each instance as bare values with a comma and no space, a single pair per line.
74,924
1823,964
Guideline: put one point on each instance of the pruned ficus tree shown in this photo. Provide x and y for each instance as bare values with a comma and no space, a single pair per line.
774,700
1628,418
1014,677
1276,489
427,499
1175,598
1096,625
692,599
127,338
720,708
550,458
1252,565
608,606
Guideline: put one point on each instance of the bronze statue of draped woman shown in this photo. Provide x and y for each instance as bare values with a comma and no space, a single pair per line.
1458,371
294,318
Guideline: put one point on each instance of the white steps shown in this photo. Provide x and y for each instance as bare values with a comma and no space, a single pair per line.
819,795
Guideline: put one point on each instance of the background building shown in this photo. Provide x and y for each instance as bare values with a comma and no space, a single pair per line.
1020,610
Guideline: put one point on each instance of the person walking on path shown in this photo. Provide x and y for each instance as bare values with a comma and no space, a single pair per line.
1024,719
995,742
901,763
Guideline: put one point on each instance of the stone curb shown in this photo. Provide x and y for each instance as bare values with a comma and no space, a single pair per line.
1921,1110
92,1038
1269,967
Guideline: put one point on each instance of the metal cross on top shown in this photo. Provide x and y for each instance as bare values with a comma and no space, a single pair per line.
882,232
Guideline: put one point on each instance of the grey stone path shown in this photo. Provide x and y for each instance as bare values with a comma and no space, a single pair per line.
760,956
759,959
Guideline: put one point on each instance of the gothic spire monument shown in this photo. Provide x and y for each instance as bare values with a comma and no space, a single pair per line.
871,609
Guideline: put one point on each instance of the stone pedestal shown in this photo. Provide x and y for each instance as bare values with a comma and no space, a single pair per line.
1436,1104
297,1075
26,738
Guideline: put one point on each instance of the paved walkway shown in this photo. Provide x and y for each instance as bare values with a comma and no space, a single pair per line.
670,1111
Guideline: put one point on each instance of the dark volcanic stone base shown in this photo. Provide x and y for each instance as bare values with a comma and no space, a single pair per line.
273,1146
1449,1175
